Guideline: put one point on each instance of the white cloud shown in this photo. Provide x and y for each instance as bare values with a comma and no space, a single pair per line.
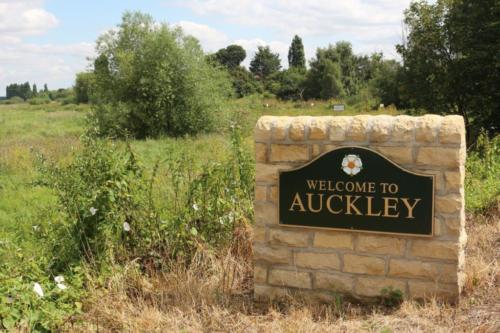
25,18
210,38
375,22
54,64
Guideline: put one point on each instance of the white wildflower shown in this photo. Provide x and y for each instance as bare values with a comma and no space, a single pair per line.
36,227
59,279
195,207
61,286
93,211
37,288
126,226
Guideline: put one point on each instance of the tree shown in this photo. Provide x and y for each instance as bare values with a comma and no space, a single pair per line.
34,90
386,82
152,80
265,62
231,56
45,88
324,77
451,62
83,86
244,83
288,84
296,55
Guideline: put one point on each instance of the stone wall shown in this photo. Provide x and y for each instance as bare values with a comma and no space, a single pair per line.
321,263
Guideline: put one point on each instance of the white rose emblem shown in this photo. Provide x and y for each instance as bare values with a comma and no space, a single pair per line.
351,164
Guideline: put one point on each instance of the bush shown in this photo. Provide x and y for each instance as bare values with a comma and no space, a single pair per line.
153,80
39,100
13,100
108,213
482,183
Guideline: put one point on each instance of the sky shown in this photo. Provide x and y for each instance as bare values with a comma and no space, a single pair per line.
50,41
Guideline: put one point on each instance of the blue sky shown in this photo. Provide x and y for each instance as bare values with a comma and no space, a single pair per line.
49,41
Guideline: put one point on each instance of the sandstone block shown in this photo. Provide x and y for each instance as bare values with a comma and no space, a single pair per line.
381,128
334,240
427,128
338,128
413,268
434,249
260,193
298,127
261,152
452,130
265,293
318,128
280,129
449,204
273,194
438,156
314,260
381,245
316,150
259,274
266,213
454,180
333,282
425,290
363,264
288,237
288,278
259,234
271,254
268,172
289,153
262,131
359,128
371,287
453,225
399,155
403,129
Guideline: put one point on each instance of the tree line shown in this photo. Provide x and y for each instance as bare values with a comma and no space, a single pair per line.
150,79
23,90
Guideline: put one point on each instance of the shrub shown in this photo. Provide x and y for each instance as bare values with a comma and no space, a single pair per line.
482,183
153,80
108,212
39,100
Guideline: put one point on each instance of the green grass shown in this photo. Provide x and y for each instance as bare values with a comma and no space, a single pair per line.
26,209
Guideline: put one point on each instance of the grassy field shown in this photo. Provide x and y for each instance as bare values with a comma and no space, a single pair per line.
198,297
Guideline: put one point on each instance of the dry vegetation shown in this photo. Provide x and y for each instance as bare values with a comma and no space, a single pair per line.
214,294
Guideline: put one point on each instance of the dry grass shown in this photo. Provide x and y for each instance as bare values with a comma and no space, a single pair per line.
213,294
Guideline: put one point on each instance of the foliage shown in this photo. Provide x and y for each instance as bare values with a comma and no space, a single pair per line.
265,62
324,77
482,184
231,56
391,297
451,60
386,82
22,90
83,87
44,99
153,80
288,84
296,54
244,83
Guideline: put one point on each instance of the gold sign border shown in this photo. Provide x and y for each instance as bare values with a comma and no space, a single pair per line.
354,230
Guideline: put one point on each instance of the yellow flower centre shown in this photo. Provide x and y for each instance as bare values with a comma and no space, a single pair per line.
351,164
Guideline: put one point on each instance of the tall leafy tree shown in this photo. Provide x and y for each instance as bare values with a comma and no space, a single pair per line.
324,78
451,59
265,62
231,56
34,90
296,55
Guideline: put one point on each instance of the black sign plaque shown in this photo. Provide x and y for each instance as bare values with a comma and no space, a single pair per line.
358,189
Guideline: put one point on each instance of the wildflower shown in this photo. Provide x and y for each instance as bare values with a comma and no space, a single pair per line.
126,226
61,286
195,207
93,211
59,279
37,288
35,228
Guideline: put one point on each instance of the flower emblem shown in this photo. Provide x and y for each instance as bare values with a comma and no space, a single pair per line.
351,164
